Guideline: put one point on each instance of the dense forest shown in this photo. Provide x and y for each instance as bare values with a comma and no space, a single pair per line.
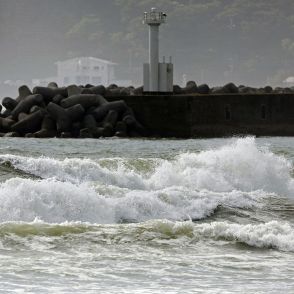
213,41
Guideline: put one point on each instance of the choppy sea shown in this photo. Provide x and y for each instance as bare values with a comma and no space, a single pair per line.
147,216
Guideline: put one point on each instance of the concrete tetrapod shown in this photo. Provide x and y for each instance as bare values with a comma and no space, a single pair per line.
73,90
59,114
6,123
75,112
109,123
52,85
90,129
67,112
98,90
49,93
191,88
9,103
86,91
110,119
48,128
100,112
30,124
22,116
57,99
121,129
86,100
35,108
203,89
231,88
89,122
131,122
23,92
26,104
86,133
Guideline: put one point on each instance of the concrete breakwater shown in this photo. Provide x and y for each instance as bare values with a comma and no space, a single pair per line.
201,111
215,115
71,112
193,111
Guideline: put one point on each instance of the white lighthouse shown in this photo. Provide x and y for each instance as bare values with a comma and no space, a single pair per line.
158,77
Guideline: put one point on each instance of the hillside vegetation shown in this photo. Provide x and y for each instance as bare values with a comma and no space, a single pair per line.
214,41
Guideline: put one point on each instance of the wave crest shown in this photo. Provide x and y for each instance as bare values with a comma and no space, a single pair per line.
192,185
273,235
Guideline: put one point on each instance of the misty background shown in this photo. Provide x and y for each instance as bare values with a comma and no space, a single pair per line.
211,41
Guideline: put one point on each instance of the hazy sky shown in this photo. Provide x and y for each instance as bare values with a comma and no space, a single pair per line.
213,41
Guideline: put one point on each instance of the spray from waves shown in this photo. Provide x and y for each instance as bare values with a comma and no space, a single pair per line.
269,235
274,234
56,202
192,185
75,170
52,201
240,166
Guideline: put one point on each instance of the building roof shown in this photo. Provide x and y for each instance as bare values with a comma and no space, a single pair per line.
77,59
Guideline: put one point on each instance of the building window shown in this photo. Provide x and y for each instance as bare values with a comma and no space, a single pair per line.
228,112
97,68
263,111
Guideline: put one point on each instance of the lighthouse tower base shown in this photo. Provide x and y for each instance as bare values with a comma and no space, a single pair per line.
165,78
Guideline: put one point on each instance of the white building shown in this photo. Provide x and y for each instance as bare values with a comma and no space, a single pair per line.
289,82
82,71
85,70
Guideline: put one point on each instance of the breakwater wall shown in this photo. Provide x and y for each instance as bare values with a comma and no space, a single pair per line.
194,111
214,115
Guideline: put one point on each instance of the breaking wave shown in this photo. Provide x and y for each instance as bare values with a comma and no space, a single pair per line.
237,166
274,234
192,185
56,202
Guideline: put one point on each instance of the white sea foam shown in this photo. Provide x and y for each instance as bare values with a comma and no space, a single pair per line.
240,165
77,170
273,234
192,185
55,201
51,201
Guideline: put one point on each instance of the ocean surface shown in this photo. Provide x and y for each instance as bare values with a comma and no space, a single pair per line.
147,216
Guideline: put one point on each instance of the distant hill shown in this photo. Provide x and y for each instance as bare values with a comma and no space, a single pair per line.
214,41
